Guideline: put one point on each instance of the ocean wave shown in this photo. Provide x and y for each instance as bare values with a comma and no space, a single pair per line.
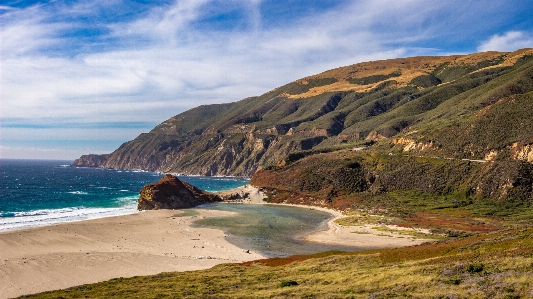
19,220
78,192
127,200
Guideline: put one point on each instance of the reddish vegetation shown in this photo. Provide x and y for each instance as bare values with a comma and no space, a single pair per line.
433,220
500,245
282,261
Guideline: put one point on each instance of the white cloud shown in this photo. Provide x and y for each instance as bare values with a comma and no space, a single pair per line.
25,32
163,24
162,63
507,42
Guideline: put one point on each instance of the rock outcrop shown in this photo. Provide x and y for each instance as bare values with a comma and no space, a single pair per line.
91,160
171,193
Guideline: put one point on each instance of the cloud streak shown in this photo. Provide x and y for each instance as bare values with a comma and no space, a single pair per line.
114,61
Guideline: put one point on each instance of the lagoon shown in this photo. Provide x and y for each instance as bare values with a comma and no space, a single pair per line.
271,230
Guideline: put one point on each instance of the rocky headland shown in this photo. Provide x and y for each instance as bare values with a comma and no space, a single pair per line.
171,193
90,160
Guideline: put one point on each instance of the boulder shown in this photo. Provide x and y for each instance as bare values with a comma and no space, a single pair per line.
171,193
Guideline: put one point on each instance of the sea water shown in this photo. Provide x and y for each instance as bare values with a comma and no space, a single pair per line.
38,193
44,192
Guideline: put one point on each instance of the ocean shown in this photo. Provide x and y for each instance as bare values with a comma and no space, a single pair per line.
45,192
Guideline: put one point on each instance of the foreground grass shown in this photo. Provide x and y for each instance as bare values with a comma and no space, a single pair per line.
493,265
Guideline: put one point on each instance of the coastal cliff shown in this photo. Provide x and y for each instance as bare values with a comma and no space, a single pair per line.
464,106
90,160
171,193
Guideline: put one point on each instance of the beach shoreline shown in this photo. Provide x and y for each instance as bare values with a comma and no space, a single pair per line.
146,243
64,255
366,236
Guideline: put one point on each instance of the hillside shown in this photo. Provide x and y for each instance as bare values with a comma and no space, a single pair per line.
474,106
495,265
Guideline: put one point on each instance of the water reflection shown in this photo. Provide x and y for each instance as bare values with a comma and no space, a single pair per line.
271,230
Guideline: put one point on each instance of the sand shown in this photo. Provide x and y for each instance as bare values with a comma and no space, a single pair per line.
364,236
146,243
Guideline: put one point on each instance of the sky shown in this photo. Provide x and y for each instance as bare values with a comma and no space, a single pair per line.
83,77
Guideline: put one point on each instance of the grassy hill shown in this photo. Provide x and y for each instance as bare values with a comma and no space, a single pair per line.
428,105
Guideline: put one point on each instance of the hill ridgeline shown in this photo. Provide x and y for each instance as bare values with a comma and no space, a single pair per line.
475,107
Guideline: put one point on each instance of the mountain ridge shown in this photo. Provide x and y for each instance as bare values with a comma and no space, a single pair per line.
399,104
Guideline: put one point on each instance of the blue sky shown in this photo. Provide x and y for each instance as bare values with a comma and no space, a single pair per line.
80,77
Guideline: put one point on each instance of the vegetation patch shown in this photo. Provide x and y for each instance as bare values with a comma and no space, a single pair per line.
356,218
495,265
373,79
288,283
426,81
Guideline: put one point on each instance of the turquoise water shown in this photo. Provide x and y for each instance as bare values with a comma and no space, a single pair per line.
271,230
36,193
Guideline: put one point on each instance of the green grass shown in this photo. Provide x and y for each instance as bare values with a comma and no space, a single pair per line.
496,265
373,79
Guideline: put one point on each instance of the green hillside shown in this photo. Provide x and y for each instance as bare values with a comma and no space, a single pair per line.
444,106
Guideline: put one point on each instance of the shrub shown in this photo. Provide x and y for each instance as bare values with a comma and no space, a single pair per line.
474,268
288,283
454,280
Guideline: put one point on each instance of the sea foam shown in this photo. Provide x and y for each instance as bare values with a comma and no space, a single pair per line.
19,220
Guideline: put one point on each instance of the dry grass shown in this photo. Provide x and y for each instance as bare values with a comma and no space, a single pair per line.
356,218
510,59
496,265
409,68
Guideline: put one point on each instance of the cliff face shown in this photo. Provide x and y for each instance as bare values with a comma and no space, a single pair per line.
91,160
171,193
471,107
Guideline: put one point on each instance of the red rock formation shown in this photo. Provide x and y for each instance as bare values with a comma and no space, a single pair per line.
171,193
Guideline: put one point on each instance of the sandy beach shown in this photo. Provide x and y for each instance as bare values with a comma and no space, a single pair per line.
365,236
146,243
